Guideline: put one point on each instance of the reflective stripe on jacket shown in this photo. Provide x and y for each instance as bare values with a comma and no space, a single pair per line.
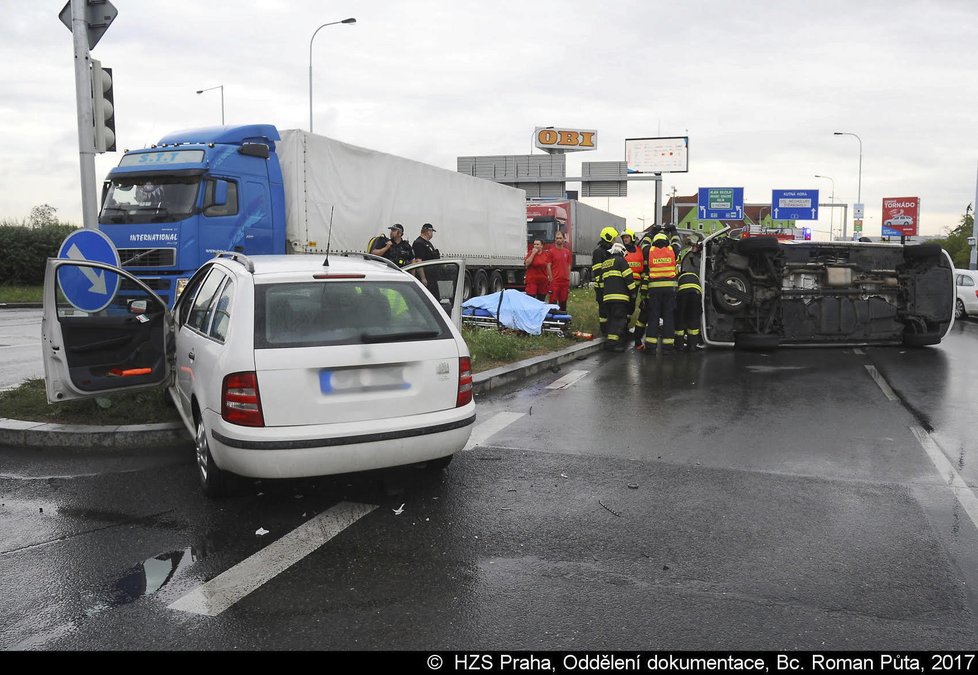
662,267
618,282
690,281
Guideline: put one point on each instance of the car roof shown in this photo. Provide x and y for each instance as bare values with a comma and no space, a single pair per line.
268,268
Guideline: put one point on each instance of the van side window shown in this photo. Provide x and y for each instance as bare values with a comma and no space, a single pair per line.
230,208
200,314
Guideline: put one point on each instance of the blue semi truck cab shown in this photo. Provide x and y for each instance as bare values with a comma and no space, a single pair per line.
170,207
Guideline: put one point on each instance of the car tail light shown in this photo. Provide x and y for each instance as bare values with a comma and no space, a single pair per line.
240,402
464,382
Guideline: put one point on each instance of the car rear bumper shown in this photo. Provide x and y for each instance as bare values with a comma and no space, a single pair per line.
297,452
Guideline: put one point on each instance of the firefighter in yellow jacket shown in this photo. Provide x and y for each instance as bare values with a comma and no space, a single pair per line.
619,289
662,296
598,258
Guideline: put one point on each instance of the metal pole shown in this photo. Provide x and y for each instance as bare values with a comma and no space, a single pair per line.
331,23
658,199
222,105
973,264
86,116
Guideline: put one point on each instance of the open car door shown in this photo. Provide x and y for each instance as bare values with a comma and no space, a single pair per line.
444,279
121,341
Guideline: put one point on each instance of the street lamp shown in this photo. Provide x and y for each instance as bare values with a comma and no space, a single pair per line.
859,189
331,23
832,210
221,87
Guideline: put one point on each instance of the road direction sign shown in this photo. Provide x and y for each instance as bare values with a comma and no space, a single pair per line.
794,204
87,288
98,15
721,203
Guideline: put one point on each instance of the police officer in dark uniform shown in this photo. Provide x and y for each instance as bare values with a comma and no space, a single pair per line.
395,249
424,250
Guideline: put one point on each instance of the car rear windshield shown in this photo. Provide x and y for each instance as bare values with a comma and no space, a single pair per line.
321,313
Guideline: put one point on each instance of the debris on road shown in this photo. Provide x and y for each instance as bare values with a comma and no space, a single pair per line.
261,531
399,510
609,509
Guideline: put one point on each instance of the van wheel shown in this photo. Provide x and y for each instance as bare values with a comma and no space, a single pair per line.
921,339
921,251
213,481
758,245
731,291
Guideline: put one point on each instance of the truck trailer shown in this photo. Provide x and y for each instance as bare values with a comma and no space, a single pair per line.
581,225
170,207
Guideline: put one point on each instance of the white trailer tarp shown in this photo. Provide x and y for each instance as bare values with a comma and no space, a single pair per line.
368,191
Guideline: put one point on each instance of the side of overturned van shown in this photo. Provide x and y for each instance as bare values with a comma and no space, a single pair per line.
761,293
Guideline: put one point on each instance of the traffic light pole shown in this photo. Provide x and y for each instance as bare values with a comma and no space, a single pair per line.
86,116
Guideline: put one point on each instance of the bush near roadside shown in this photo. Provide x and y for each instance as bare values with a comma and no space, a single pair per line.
25,251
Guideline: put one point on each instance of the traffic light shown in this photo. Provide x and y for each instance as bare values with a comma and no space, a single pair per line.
102,107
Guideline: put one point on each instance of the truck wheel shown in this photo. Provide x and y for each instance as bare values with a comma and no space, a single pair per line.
739,289
480,283
496,282
467,286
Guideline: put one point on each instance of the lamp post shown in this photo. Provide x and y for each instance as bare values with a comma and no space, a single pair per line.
832,210
331,23
859,189
221,87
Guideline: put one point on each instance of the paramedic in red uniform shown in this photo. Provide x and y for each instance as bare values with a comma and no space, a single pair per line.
538,272
560,264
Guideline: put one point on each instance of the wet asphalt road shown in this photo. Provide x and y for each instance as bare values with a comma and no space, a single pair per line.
20,346
723,500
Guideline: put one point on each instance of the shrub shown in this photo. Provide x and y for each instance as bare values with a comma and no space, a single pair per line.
25,251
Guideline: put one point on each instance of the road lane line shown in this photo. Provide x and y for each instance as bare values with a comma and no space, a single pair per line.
887,391
482,432
215,596
568,379
964,494
857,350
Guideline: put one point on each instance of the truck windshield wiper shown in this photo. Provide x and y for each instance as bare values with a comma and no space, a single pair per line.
398,337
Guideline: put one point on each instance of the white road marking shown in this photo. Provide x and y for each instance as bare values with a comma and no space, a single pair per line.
568,379
954,481
887,391
215,596
857,350
494,424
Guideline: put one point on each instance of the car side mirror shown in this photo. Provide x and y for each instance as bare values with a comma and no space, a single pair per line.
137,306
220,193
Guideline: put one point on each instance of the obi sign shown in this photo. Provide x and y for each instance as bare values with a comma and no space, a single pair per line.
900,216
555,140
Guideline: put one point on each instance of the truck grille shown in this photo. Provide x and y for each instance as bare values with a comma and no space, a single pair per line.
147,257
154,284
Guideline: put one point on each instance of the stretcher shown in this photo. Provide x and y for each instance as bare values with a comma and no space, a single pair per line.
556,322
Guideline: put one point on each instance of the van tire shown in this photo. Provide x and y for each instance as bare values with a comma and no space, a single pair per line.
921,251
734,280
921,339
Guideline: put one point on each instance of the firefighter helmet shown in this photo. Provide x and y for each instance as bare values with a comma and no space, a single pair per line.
660,237
608,234
628,233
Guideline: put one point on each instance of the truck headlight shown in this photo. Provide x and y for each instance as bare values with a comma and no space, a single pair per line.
181,284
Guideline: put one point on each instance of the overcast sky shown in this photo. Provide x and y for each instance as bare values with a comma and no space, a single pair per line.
758,87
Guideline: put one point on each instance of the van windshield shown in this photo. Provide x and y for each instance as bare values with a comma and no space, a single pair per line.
153,199
321,313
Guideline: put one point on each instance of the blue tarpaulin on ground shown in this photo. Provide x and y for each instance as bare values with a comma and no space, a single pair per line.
518,310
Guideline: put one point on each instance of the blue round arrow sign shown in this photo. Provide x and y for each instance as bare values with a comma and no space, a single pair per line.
88,289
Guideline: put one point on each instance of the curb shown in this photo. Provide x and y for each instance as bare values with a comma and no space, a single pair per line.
42,435
21,305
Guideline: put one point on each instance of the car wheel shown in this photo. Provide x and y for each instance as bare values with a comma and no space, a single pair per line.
758,245
959,311
731,291
760,341
213,481
480,283
439,464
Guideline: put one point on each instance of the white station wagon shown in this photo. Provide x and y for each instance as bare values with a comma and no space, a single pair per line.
280,366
